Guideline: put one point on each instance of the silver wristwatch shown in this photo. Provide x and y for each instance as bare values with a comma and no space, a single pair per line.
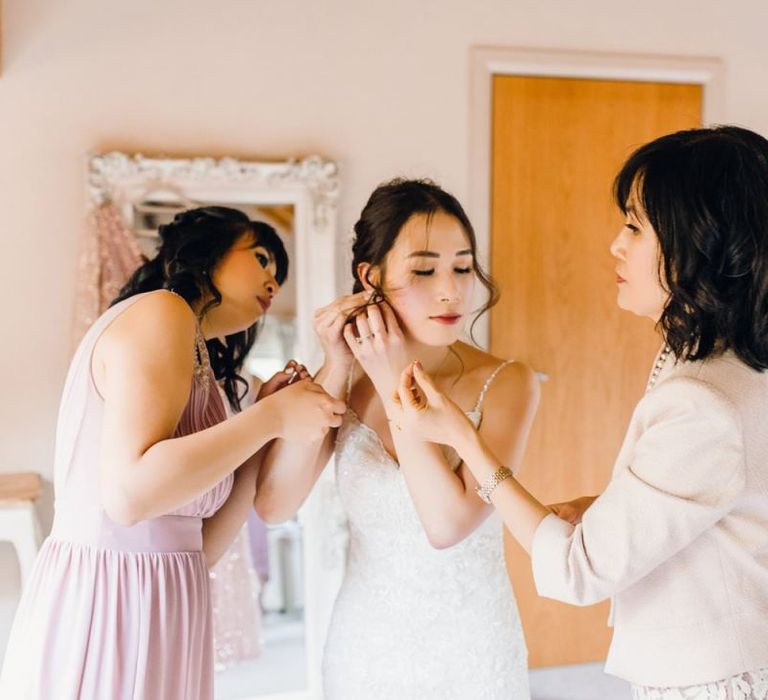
492,482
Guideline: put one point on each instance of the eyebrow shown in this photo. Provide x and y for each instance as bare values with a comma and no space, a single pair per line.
432,254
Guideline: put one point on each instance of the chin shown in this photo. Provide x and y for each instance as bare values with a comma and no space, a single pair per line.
247,322
641,311
623,303
439,338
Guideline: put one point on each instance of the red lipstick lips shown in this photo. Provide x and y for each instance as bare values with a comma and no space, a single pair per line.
447,319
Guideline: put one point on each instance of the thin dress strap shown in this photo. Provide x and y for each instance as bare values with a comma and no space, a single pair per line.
479,405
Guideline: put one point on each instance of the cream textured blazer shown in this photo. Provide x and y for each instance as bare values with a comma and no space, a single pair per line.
679,538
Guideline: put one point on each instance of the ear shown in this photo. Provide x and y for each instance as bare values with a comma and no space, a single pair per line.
366,272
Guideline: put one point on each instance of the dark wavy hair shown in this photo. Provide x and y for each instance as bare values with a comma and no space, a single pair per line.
705,192
190,248
388,209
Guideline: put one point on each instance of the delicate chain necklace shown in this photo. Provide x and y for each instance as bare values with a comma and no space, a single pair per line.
437,369
661,360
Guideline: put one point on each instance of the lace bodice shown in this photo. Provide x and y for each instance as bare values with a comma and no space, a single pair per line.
412,621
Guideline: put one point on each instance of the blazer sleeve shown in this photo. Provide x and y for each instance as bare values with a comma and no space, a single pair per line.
684,474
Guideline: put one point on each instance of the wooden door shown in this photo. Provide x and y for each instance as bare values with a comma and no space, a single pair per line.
557,145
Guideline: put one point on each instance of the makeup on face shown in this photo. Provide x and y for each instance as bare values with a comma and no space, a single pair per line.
245,278
428,278
636,249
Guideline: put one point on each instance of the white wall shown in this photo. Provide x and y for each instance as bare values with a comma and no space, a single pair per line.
380,86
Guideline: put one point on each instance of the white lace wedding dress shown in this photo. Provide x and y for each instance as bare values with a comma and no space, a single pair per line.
412,622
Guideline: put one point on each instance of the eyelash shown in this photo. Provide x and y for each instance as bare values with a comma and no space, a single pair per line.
428,273
263,260
632,228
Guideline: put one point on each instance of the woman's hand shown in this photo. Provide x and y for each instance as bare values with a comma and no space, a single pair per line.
572,511
329,325
377,343
305,411
420,408
293,372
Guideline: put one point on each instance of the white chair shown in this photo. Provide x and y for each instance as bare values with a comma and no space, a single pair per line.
19,524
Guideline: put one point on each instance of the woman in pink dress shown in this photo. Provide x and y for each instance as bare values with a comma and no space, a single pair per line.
152,483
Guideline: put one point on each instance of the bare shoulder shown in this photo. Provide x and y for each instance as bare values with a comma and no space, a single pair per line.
159,327
480,366
160,317
509,403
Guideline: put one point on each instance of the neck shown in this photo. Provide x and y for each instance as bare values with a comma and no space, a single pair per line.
210,325
433,358
207,328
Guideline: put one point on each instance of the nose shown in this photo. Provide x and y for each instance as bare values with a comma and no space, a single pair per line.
271,285
449,289
617,245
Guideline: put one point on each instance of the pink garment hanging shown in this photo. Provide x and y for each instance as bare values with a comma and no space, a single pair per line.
236,603
236,597
109,257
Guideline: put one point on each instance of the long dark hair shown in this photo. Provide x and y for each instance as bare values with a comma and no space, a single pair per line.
705,192
190,248
388,209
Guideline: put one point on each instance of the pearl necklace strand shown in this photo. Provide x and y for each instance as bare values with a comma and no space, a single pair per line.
660,362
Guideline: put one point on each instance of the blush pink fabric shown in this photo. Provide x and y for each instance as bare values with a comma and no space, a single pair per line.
109,256
110,611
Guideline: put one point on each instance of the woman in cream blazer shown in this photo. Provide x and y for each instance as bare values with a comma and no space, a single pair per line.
679,538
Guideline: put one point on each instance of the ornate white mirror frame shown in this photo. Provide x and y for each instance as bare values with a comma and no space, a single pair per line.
311,187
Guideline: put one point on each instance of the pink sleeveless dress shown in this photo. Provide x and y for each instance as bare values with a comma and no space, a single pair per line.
112,612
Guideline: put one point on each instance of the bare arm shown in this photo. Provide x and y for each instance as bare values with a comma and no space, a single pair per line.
290,469
521,512
220,530
143,369
445,499
431,415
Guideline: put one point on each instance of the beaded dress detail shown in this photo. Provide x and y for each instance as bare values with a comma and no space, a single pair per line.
412,622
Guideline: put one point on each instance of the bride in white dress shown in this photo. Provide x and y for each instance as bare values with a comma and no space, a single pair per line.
425,609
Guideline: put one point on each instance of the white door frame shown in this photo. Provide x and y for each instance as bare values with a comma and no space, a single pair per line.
487,62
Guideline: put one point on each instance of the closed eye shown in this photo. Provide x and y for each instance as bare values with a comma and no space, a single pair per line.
427,273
